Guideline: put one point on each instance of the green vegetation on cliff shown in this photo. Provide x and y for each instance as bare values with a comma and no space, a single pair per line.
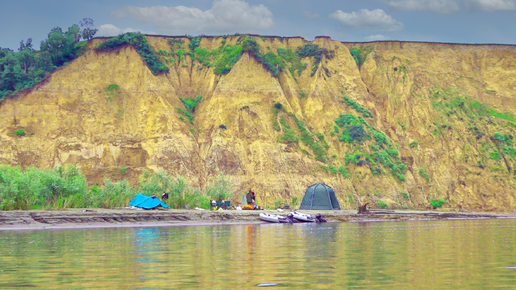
224,57
139,42
371,147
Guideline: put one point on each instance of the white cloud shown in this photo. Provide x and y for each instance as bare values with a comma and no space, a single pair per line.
310,14
111,30
450,6
439,6
490,5
375,20
224,16
376,37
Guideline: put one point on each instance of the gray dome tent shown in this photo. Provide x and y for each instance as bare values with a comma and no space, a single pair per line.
319,196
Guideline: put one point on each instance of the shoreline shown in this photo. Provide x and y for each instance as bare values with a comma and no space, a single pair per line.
126,217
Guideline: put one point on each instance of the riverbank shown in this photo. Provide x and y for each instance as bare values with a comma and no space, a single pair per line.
125,217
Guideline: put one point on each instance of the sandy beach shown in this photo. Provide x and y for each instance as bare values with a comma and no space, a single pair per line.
125,217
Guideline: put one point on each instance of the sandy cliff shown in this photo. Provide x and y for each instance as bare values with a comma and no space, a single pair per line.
439,105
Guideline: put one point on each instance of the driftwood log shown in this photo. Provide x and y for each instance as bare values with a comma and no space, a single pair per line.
363,208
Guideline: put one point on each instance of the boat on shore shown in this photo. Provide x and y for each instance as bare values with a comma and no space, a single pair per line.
303,217
275,218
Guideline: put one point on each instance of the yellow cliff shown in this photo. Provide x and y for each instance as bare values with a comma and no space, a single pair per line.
441,115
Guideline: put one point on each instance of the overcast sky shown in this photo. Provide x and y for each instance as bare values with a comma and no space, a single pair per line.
458,21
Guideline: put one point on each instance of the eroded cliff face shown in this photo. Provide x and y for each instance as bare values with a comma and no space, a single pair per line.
439,105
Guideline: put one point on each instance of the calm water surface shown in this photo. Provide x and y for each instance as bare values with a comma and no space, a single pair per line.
411,255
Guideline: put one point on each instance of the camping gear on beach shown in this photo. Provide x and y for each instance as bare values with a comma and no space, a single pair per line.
319,196
247,207
147,202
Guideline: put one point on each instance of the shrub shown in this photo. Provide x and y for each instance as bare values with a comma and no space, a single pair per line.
278,203
382,204
225,57
495,155
435,203
20,133
343,171
405,195
278,106
190,105
347,119
26,189
294,201
220,189
194,42
333,169
360,54
413,144
112,88
313,50
139,42
354,133
222,126
423,174
357,107
499,136
380,137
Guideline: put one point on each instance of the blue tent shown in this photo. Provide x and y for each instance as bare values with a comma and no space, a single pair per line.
147,202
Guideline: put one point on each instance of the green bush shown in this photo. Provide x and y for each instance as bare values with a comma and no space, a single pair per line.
190,105
357,107
66,187
313,50
295,61
382,204
343,171
360,54
271,61
35,188
413,144
499,136
436,203
20,133
139,42
278,203
294,201
347,119
225,57
194,42
220,189
423,174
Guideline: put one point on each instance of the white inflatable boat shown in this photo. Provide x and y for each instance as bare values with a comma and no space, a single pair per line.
272,218
303,217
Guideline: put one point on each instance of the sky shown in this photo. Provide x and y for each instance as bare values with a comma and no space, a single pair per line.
455,21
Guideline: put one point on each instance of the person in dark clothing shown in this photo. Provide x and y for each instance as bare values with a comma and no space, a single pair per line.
250,196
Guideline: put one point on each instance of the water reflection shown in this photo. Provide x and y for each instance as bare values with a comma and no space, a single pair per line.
412,255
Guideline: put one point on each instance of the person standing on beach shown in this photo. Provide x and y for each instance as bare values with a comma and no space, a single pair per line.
250,196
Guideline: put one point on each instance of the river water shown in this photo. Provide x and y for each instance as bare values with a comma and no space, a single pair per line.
460,254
